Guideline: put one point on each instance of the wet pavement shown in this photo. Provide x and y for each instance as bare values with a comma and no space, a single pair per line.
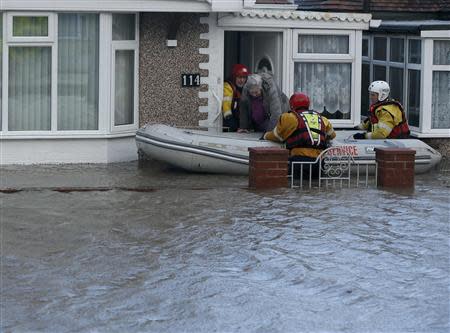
124,248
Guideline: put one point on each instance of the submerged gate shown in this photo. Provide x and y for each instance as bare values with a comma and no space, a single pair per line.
334,167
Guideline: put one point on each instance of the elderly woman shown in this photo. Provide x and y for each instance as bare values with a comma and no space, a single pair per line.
262,102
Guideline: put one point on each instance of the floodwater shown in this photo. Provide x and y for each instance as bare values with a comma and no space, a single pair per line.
123,248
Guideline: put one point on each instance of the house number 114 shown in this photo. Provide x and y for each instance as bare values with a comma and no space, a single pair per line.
190,80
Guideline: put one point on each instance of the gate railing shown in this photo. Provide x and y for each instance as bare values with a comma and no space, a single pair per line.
335,166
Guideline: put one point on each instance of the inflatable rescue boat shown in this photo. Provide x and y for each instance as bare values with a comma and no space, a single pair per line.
203,151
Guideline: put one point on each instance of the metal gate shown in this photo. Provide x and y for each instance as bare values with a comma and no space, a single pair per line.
333,167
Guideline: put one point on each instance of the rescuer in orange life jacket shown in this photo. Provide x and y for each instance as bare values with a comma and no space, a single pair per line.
232,90
386,116
305,132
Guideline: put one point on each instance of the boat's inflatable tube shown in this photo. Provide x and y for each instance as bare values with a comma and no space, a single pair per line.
202,151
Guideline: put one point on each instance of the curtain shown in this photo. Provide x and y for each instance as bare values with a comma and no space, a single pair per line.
29,93
124,87
441,52
440,103
78,71
327,85
323,44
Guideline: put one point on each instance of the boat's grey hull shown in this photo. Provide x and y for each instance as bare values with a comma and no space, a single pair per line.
201,151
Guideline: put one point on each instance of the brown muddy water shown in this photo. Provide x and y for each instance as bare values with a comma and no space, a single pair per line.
123,248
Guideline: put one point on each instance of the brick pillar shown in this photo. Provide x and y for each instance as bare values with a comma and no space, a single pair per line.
268,167
395,167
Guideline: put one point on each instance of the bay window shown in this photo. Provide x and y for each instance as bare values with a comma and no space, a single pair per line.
53,81
418,70
395,59
323,69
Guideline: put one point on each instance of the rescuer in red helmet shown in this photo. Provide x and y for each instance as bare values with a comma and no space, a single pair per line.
232,90
305,132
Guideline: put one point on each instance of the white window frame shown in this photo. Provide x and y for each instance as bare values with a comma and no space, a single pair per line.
333,58
427,83
106,126
388,64
117,45
52,28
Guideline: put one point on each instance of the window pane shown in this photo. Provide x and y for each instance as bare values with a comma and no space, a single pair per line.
328,85
414,97
440,105
365,82
365,47
396,83
30,26
124,26
441,52
379,73
29,93
78,71
124,88
397,50
322,44
414,51
379,48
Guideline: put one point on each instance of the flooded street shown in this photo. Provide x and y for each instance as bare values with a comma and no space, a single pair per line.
159,250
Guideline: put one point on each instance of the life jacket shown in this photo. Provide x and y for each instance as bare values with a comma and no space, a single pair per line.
235,100
310,132
401,131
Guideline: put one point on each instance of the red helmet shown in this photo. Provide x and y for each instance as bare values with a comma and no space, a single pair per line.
239,70
299,101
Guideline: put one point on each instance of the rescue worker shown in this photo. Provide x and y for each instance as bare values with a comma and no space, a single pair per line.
305,132
232,90
262,102
386,116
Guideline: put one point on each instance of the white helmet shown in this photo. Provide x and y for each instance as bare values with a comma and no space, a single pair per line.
381,88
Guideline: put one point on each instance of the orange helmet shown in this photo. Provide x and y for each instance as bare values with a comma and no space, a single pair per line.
299,101
239,70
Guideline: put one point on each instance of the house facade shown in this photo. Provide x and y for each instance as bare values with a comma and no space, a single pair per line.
79,77
410,49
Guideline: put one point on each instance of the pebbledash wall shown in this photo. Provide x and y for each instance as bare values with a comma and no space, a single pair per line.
161,97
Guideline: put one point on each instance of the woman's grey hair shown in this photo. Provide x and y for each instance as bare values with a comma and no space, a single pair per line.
253,81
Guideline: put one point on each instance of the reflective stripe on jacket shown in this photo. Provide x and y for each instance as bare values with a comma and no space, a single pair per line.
310,131
288,124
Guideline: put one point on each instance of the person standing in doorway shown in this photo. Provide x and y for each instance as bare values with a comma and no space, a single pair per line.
232,90
262,102
386,116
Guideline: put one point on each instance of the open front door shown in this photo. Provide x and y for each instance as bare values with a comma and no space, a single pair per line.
257,50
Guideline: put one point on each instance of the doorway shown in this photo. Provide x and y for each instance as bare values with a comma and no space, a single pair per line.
260,51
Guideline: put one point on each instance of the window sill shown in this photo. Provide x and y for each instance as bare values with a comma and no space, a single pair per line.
65,136
430,135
